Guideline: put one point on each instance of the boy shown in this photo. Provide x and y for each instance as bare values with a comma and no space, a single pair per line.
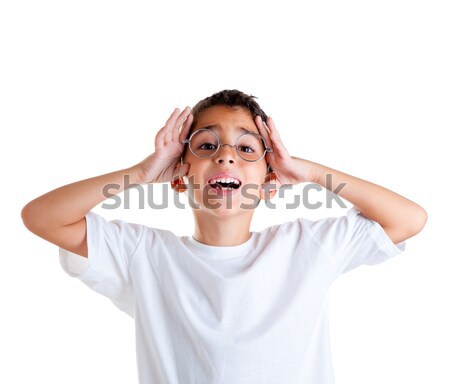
225,305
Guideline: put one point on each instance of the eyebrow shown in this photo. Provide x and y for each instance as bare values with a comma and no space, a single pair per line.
214,128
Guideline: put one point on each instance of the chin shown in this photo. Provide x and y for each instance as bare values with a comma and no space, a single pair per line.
225,204
225,208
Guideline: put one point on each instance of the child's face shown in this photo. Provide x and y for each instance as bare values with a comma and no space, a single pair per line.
227,123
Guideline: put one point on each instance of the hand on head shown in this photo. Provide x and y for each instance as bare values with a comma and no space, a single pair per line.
286,168
164,164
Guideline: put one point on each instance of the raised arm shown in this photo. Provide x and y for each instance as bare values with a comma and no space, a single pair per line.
400,217
59,215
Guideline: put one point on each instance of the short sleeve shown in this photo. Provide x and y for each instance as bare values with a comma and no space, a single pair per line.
111,245
354,240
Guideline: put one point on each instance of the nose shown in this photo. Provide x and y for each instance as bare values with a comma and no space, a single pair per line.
225,154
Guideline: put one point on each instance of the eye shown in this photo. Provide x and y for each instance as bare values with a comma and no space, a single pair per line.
246,149
207,146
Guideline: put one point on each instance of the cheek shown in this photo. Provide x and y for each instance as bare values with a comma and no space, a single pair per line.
259,172
188,158
196,169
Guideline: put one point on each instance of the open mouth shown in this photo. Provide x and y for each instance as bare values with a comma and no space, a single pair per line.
228,184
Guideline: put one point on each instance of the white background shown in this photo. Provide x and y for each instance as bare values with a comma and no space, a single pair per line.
358,86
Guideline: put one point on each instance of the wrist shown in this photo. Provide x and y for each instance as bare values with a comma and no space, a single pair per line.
307,171
136,173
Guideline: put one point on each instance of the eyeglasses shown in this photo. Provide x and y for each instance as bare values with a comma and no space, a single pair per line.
249,146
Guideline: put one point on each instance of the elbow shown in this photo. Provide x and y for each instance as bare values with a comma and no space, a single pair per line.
29,217
424,217
26,216
419,220
409,227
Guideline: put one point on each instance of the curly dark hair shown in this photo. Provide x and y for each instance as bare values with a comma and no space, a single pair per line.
231,98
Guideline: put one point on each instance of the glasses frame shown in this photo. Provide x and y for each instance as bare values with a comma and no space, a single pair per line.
219,145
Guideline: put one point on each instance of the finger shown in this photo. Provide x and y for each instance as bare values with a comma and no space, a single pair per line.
272,128
171,120
276,139
173,124
263,131
186,127
160,136
179,123
274,134
172,117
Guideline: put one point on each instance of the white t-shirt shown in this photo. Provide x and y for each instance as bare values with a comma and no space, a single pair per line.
252,313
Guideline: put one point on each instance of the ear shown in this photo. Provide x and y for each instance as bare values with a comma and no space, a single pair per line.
270,187
178,184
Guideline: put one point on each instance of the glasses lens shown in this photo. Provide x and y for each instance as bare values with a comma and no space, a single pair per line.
204,143
250,146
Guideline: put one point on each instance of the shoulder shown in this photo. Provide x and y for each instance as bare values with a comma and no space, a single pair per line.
320,227
297,223
125,229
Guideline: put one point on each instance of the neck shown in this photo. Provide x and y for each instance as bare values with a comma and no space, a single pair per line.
220,231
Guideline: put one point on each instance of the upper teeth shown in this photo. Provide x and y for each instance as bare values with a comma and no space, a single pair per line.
224,180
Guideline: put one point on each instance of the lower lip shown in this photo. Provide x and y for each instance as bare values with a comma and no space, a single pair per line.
224,192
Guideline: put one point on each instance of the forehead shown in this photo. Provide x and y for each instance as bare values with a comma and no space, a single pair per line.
222,118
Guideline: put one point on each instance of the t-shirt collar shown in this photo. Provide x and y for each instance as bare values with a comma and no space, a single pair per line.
212,251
